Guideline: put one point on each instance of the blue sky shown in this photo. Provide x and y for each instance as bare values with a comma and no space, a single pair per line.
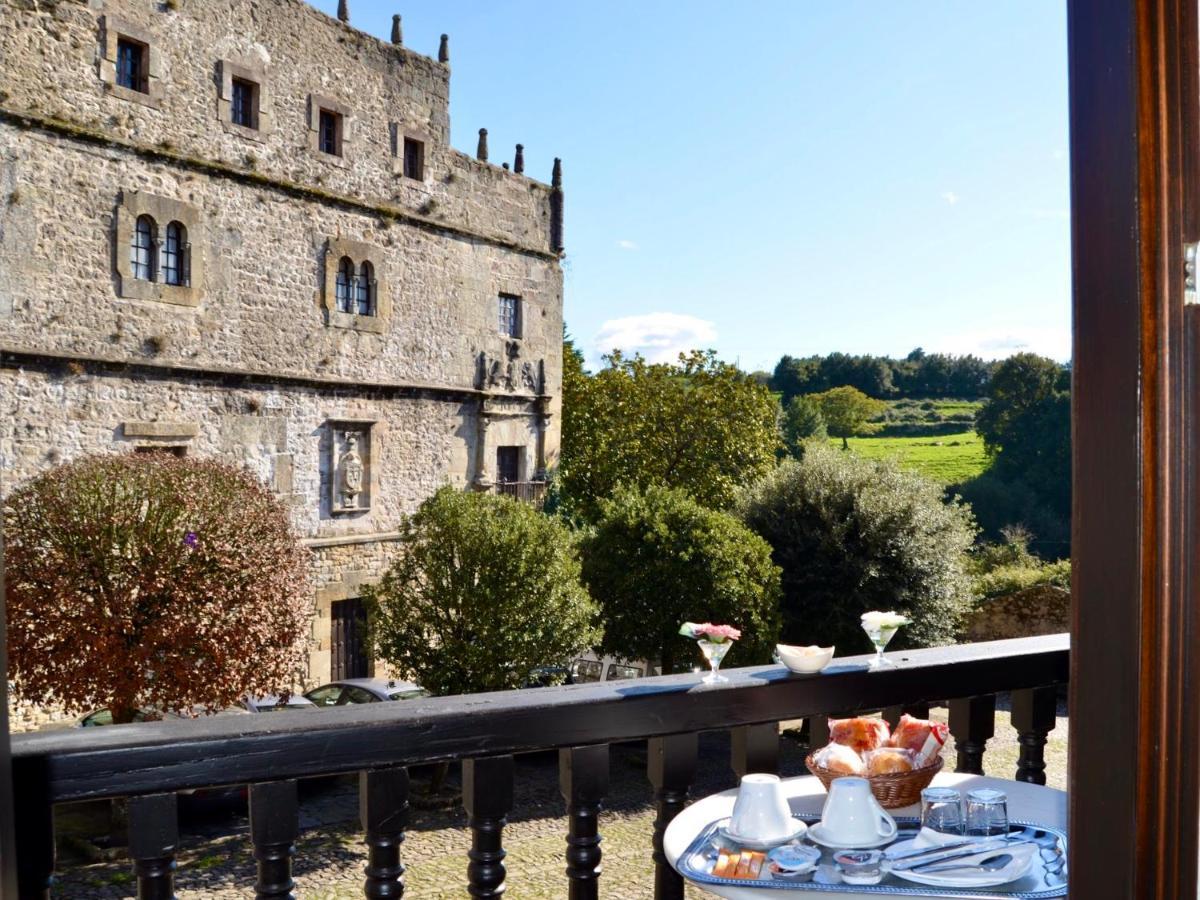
781,177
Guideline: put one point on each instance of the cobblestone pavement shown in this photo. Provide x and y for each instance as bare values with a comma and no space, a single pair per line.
215,862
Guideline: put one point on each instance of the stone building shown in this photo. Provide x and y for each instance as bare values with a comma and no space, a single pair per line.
237,228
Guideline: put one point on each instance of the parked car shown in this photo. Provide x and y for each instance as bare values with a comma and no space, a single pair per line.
275,703
364,690
585,670
103,716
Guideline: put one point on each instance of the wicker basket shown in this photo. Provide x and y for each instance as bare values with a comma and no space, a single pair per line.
892,791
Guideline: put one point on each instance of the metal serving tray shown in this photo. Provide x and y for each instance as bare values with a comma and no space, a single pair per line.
1047,878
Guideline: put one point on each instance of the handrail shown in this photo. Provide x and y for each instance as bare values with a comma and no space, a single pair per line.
169,756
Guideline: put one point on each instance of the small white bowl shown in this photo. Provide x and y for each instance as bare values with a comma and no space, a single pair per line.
804,660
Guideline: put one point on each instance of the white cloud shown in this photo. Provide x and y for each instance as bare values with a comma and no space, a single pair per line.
659,336
950,197
627,244
1002,342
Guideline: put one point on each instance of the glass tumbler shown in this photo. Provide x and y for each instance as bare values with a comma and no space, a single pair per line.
987,813
941,810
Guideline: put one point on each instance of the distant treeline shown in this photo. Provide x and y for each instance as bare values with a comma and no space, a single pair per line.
919,374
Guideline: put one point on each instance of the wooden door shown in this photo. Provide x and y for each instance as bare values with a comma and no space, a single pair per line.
349,658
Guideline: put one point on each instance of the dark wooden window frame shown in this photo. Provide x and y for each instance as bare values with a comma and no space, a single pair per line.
1135,703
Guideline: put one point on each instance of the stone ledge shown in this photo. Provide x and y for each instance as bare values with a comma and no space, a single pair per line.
161,429
11,358
344,540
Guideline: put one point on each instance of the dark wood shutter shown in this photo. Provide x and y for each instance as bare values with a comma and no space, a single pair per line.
349,650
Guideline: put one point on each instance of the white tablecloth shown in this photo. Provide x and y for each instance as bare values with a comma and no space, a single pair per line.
1026,802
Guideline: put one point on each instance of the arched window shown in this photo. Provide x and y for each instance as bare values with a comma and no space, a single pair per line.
141,251
345,285
365,290
174,256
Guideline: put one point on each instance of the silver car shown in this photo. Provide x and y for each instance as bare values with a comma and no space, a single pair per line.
364,690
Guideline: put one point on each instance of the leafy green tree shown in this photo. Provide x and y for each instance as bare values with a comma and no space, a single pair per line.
658,558
802,421
148,581
702,426
485,590
1026,427
852,535
847,412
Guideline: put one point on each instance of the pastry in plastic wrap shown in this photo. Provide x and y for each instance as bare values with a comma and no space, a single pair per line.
841,759
911,733
889,761
861,734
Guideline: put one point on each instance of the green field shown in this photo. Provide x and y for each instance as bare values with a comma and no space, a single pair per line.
950,458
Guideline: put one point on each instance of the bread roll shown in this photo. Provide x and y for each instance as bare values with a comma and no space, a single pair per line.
860,734
910,733
841,759
889,761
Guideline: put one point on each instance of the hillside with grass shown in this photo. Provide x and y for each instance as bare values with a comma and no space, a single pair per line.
935,437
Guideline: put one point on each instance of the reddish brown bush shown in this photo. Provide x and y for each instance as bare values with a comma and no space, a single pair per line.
149,580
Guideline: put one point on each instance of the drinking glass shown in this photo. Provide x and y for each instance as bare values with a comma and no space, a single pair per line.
714,653
987,813
941,810
880,635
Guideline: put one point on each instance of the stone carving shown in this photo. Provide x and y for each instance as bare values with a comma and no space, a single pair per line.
350,473
507,372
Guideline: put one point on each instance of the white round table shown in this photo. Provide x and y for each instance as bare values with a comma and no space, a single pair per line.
1026,802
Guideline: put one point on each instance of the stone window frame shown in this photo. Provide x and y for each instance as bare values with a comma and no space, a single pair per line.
254,71
112,29
316,103
371,431
519,312
358,252
402,132
163,210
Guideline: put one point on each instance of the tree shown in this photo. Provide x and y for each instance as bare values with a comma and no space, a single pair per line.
846,412
152,581
852,535
702,426
657,559
802,421
485,590
1026,427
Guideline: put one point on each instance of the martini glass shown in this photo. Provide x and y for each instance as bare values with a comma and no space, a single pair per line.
714,652
880,635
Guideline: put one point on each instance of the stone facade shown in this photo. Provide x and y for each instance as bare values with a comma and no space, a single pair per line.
237,334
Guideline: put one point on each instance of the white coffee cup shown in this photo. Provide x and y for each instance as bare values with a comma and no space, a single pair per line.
761,811
853,816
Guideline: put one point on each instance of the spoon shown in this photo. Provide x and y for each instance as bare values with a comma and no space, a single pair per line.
992,863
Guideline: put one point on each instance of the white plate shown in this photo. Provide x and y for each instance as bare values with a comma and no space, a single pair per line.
1014,872
816,834
754,844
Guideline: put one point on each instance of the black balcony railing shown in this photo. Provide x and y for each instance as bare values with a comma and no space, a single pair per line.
526,491
150,762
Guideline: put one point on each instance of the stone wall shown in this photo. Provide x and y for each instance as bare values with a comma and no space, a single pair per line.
301,52
249,358
1044,609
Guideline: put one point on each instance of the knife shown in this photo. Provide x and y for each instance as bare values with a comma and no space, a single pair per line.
935,848
959,851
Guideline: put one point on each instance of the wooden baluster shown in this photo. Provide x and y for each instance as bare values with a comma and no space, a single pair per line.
672,768
488,799
383,809
1034,715
818,732
153,838
583,779
274,824
755,748
35,829
972,722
